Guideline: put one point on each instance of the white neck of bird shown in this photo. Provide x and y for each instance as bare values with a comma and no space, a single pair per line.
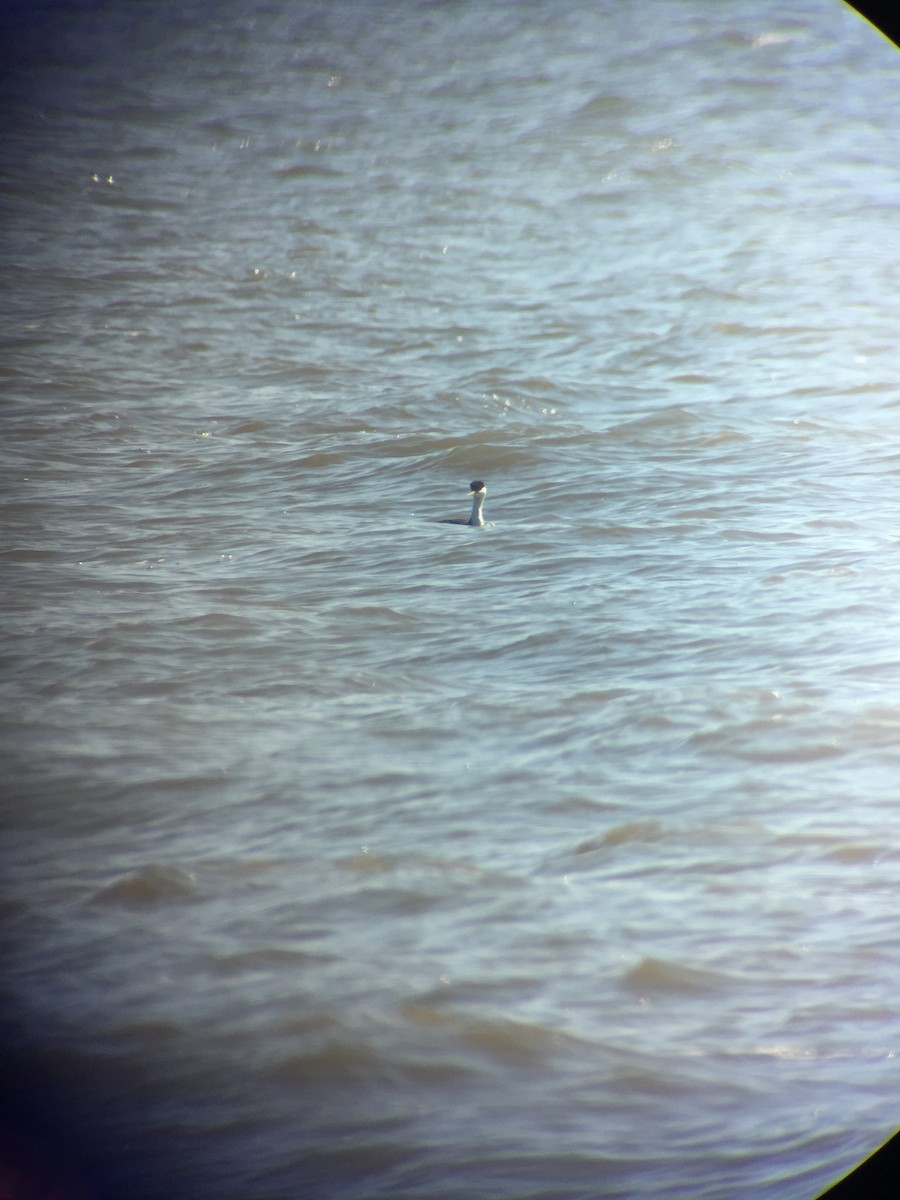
476,517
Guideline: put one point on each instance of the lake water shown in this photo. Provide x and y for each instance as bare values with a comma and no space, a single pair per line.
350,854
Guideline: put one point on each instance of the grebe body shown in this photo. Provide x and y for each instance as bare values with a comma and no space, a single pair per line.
478,491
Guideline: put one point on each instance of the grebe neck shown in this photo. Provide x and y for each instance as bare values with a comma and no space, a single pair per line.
477,500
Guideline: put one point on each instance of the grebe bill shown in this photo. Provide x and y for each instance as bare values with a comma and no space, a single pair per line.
478,491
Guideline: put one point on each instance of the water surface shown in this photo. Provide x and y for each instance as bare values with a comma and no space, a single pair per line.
350,854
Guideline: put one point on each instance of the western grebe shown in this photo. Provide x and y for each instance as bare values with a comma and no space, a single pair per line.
477,491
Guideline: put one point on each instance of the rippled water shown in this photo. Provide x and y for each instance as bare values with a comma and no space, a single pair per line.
350,854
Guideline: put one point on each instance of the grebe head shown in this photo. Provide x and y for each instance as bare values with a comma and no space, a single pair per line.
476,486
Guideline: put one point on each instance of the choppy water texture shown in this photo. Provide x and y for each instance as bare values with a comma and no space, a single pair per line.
350,854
